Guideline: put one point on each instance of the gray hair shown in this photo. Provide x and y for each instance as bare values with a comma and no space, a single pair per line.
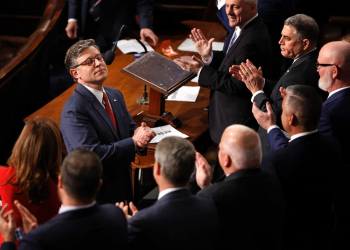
74,51
245,148
251,1
176,157
305,103
305,27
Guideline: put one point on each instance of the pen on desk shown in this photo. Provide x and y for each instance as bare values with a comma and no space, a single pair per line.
140,112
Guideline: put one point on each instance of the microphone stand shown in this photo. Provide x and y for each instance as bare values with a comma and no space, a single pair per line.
144,99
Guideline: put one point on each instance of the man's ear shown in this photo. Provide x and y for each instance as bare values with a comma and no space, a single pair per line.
156,169
100,184
74,73
306,44
292,120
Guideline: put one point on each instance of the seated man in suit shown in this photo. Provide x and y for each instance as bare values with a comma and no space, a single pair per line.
250,202
298,42
229,97
178,220
95,117
307,167
81,222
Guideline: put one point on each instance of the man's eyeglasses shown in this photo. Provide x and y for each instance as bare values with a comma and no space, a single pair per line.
319,65
91,61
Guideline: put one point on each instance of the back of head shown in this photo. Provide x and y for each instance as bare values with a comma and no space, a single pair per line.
176,157
81,173
306,104
243,146
37,156
74,51
305,28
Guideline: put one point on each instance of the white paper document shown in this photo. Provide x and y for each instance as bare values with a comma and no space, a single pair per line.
185,94
132,46
188,45
166,131
195,79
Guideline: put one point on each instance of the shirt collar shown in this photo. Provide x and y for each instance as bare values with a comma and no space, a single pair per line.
246,23
302,134
167,191
337,90
97,93
304,55
64,209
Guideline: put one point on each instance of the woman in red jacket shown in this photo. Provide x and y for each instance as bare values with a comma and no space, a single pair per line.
31,177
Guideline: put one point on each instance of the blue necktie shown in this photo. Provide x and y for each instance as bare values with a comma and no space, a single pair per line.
233,39
96,10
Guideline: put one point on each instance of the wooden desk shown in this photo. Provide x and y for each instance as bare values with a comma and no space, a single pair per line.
193,116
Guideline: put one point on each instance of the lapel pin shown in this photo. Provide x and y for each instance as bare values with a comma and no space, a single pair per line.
287,71
115,100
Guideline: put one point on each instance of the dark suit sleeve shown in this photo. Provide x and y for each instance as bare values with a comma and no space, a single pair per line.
144,10
8,246
276,139
262,98
325,125
74,8
137,234
223,81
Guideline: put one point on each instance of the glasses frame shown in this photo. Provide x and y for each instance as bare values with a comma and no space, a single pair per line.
318,65
93,60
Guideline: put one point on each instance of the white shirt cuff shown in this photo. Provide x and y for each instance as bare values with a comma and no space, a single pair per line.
272,127
255,94
72,20
210,60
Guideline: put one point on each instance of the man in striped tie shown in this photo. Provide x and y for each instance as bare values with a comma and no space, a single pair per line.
95,117
229,98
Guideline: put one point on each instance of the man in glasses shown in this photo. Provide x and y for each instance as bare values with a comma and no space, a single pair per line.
96,117
298,42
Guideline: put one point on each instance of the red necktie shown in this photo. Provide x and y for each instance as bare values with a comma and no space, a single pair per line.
109,110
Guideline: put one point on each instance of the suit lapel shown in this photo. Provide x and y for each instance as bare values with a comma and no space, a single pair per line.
98,107
335,96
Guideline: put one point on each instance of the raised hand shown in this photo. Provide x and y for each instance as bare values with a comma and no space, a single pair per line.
203,46
72,30
234,70
252,77
124,208
192,67
202,171
283,92
28,219
265,120
7,225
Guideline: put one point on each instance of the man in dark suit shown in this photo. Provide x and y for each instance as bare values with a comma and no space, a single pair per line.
250,202
95,117
81,222
298,42
178,220
307,167
229,97
103,19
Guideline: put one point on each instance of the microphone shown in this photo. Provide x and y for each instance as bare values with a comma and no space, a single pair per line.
109,55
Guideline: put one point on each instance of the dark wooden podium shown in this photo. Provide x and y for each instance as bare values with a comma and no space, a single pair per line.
164,77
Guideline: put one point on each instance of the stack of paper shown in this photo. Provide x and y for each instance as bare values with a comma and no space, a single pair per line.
132,46
184,94
166,131
188,45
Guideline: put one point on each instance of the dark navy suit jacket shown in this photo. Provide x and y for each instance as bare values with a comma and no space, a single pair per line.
179,220
96,227
308,168
251,209
113,14
85,123
229,97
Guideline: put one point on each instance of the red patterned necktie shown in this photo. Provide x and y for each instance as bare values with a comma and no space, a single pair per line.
109,110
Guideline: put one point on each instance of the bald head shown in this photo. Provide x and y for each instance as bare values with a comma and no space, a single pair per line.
242,145
337,53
